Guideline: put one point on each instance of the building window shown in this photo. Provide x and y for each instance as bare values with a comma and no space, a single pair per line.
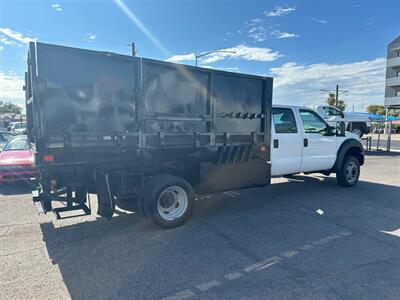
397,93
398,73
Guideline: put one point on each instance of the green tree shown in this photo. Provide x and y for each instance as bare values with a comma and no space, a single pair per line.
376,109
332,102
381,110
8,107
341,105
331,99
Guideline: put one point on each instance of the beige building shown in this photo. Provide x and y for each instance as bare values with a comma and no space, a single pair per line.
392,88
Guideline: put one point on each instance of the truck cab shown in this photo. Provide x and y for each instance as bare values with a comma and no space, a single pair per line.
303,142
354,123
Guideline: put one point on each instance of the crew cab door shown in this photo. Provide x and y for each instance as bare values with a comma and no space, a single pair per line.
319,149
286,144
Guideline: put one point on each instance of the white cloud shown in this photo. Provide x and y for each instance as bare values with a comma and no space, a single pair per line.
280,11
11,88
283,35
322,21
11,37
258,33
90,37
182,57
1,48
300,84
371,21
56,7
238,52
231,69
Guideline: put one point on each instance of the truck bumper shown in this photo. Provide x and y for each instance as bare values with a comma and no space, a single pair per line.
8,177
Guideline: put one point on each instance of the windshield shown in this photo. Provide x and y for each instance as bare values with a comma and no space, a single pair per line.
16,144
19,125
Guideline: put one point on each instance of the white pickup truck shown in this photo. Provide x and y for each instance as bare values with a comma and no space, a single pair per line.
354,123
303,142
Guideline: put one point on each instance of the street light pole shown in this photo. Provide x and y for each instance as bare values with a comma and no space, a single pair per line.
210,52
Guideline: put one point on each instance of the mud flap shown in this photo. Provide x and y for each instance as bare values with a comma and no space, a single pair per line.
106,203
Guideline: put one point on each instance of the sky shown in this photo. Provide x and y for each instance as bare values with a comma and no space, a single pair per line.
306,46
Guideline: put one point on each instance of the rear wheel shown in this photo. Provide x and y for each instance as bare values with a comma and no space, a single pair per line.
168,200
349,172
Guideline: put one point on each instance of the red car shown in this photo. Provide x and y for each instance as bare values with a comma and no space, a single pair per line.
17,161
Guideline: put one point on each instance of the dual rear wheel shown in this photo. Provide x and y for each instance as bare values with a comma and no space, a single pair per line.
167,200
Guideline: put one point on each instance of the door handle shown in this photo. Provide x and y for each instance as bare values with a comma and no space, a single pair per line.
276,143
305,142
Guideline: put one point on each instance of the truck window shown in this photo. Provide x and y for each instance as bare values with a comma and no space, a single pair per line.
325,110
330,111
312,122
284,120
334,112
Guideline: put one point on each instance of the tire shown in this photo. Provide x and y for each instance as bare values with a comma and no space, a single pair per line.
357,131
349,172
359,128
168,200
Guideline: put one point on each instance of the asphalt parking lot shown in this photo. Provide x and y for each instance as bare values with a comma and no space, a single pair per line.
303,237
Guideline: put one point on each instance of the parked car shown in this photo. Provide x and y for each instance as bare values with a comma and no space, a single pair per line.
355,123
5,136
18,127
17,161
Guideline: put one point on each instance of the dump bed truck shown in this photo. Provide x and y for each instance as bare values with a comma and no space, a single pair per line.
150,136
142,133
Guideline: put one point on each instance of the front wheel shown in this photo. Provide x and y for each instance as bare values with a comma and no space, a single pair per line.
169,200
349,172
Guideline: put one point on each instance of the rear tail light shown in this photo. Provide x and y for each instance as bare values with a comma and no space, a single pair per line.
48,158
263,148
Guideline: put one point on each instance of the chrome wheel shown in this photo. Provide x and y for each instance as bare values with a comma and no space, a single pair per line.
172,203
352,172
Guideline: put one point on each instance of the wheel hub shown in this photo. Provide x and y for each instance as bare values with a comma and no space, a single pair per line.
172,203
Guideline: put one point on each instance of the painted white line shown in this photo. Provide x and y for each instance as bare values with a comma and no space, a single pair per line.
266,266
208,285
233,276
261,263
180,295
235,193
320,242
333,237
306,247
345,233
289,253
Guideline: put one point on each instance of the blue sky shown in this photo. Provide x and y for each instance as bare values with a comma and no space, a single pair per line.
306,46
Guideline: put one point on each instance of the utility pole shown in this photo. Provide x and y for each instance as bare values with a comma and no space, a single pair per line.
133,49
337,96
336,93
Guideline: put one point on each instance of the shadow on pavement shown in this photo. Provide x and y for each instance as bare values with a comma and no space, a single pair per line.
17,188
128,257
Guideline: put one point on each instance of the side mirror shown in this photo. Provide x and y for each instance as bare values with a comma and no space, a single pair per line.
330,130
340,128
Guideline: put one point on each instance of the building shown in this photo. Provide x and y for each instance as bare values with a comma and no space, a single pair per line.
392,88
